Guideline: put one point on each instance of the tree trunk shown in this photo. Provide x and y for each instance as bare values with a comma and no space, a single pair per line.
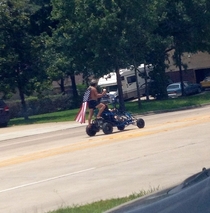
62,86
23,103
180,72
74,87
137,87
120,92
146,83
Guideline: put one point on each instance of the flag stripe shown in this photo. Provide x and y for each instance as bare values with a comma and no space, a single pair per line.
80,117
81,114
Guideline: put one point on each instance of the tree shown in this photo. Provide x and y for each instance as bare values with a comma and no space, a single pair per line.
187,23
81,38
20,58
157,56
41,21
140,25
104,35
67,47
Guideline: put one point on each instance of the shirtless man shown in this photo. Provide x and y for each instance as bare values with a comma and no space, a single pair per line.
93,101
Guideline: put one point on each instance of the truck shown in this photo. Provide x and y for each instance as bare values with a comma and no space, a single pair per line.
128,78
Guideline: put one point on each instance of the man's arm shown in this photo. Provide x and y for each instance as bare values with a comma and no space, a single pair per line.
98,95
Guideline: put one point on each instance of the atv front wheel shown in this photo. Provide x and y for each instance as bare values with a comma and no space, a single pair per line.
90,131
140,123
107,128
121,127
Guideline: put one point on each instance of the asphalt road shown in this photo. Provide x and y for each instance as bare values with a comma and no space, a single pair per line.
44,167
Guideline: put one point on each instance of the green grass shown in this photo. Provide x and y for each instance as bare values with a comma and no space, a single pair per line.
169,104
68,115
100,206
146,106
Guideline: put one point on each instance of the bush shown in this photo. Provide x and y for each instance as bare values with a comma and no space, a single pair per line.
37,106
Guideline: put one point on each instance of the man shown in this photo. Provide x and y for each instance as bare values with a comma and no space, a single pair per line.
93,101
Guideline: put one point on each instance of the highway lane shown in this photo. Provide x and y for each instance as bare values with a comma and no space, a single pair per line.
42,172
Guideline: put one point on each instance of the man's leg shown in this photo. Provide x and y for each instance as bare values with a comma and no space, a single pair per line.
101,108
90,116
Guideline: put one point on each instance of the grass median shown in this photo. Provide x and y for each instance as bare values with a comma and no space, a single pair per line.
100,206
146,107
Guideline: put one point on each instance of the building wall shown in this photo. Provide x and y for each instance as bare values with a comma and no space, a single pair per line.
200,60
188,75
198,67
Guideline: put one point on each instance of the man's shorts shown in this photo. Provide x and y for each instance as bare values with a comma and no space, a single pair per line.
92,104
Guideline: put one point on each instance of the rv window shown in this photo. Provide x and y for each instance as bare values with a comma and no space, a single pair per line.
112,88
131,79
122,78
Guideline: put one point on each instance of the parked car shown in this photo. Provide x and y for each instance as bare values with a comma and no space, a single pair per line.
4,114
205,83
174,90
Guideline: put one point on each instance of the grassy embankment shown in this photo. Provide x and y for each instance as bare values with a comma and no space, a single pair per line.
100,206
146,106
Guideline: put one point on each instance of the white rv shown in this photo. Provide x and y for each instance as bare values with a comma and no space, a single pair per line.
128,79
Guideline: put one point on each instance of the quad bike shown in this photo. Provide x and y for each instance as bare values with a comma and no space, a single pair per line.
113,118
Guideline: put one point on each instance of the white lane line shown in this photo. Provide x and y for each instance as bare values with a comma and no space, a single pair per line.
46,180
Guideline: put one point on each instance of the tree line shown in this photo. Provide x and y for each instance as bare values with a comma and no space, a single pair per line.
48,40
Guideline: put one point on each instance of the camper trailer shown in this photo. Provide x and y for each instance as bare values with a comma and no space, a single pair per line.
128,79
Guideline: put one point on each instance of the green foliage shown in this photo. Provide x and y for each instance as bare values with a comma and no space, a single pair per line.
187,22
42,41
154,106
99,206
37,106
169,104
20,51
61,116
182,26
40,20
81,89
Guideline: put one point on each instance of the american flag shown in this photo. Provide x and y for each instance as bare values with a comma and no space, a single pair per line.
81,114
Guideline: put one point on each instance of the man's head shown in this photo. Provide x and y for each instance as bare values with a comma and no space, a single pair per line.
93,83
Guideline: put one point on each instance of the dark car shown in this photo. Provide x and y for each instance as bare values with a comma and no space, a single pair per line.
191,196
4,114
174,90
